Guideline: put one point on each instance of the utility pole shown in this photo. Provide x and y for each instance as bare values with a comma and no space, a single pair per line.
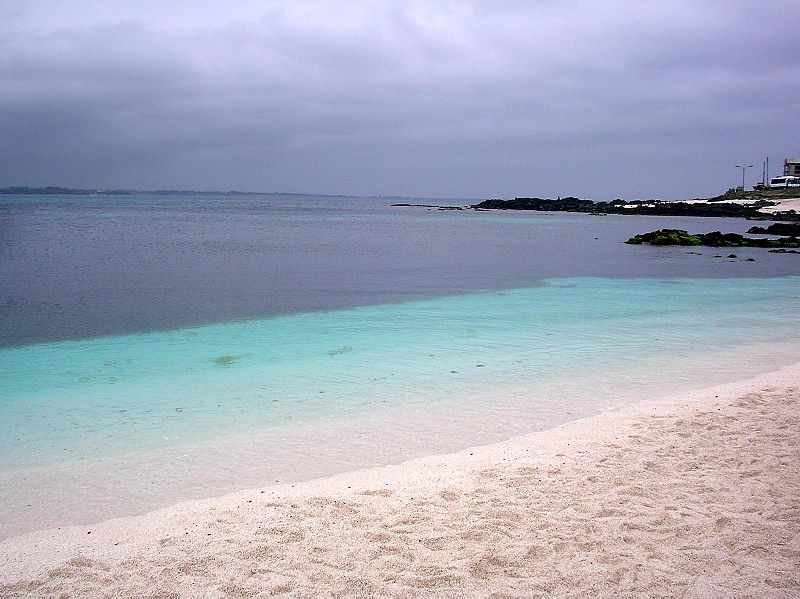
744,167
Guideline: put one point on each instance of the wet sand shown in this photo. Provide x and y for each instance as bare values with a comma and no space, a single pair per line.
697,495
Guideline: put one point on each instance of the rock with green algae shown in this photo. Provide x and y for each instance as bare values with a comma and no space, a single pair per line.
712,239
666,237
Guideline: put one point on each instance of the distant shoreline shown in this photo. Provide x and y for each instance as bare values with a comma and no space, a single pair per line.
763,205
754,205
55,190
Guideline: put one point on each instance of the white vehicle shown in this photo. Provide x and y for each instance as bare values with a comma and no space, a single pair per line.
781,182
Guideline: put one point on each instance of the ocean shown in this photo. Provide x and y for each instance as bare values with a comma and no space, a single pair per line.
161,348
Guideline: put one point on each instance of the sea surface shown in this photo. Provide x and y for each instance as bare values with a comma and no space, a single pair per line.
161,348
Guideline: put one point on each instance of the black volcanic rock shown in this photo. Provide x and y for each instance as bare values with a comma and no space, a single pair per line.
791,229
713,239
568,204
718,207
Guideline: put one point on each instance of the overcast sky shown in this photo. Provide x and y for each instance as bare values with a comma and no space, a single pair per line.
458,99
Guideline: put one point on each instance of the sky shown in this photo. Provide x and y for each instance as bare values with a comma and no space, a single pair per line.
462,99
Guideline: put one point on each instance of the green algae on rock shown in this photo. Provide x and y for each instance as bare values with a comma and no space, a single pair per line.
713,239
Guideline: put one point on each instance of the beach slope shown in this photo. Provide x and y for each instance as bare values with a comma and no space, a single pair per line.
695,496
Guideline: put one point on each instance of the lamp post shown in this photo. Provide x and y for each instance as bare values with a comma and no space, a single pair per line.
744,167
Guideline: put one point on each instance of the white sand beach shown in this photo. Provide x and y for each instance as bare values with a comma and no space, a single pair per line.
783,205
697,495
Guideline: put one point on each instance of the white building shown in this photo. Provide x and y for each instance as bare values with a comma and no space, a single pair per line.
791,167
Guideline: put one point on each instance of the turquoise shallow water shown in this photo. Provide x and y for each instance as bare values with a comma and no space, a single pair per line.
113,396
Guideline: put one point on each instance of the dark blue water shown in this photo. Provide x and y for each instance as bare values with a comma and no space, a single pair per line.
77,267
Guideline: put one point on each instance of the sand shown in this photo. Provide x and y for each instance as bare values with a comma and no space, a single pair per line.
696,496
783,205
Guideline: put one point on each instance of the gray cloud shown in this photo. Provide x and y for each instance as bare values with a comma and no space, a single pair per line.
421,98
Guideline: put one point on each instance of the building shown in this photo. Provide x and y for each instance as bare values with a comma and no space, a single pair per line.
791,167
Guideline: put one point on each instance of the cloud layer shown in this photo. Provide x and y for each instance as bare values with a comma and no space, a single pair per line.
469,99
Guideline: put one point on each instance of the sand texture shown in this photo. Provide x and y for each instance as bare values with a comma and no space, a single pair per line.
696,496
783,205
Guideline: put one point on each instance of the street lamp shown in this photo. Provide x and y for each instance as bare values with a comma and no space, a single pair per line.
744,167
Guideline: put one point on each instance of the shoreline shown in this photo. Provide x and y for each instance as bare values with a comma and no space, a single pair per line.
781,206
617,502
86,493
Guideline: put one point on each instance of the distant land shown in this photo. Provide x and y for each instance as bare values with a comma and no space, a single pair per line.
733,203
776,204
55,190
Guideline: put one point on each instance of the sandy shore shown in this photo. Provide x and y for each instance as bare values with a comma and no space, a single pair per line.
697,495
783,205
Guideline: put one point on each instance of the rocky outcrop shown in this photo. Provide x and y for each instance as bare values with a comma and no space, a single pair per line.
647,207
788,229
568,204
713,239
